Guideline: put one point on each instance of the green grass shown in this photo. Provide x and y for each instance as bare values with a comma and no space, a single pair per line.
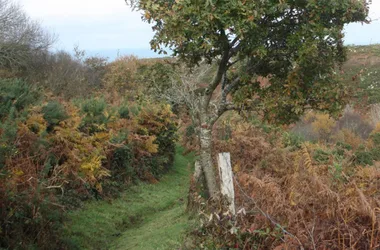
147,216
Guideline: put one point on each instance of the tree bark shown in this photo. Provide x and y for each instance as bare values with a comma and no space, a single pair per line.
206,161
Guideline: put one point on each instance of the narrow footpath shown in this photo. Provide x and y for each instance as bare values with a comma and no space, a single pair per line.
146,216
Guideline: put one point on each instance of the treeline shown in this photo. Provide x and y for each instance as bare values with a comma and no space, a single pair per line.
72,128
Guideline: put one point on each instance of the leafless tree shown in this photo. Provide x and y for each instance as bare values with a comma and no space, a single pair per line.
21,38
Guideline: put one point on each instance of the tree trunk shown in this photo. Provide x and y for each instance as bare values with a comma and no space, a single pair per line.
206,160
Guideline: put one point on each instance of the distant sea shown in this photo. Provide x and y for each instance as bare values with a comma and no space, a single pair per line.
112,54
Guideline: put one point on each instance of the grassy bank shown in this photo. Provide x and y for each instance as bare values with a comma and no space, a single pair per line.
147,216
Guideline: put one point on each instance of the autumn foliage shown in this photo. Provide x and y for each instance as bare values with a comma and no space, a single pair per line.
56,153
302,194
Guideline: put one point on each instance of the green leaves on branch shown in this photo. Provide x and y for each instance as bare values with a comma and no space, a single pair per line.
296,46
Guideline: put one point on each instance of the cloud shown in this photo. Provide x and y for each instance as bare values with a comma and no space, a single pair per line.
111,24
92,24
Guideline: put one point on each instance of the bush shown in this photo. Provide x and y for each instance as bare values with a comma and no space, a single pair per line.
121,74
375,150
158,121
54,113
124,112
18,95
341,148
95,114
122,158
363,156
66,154
290,139
156,77
354,122
323,125
321,156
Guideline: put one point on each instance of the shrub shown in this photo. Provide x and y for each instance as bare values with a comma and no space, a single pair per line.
290,139
95,115
54,113
18,95
375,146
354,122
124,112
156,77
363,156
321,156
65,154
159,121
375,137
323,125
341,148
120,75
122,158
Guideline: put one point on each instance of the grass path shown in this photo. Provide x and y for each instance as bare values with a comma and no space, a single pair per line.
147,216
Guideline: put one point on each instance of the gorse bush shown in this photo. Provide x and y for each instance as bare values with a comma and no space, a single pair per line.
363,156
124,111
95,115
54,113
16,94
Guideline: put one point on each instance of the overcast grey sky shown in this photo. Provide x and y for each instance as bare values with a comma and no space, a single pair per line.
109,25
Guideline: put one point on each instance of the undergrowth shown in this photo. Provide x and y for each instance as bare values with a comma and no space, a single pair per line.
54,154
293,193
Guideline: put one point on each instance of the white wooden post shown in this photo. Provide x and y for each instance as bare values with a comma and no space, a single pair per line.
198,171
226,179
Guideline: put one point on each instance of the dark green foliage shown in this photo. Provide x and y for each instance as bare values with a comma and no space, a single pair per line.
376,139
8,129
344,145
341,148
299,44
363,156
54,113
124,112
122,162
15,97
28,228
95,117
156,77
292,140
166,140
375,151
190,130
135,110
93,106
321,156
16,94
122,158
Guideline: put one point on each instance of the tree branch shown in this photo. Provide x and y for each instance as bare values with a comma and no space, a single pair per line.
222,68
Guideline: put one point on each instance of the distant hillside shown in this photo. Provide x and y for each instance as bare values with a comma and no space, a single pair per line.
363,66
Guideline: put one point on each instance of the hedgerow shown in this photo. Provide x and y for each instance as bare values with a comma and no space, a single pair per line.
55,154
